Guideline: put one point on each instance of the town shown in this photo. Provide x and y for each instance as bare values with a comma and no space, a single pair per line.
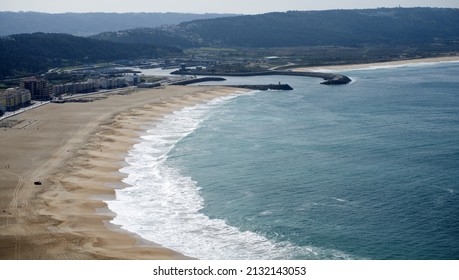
39,89
58,85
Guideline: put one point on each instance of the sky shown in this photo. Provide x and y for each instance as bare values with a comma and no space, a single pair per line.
209,6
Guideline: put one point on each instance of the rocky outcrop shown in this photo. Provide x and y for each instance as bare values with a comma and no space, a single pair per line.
337,80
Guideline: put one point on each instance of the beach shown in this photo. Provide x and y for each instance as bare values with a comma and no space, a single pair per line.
396,63
59,162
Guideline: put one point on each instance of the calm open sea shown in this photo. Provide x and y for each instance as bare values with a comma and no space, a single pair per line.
369,170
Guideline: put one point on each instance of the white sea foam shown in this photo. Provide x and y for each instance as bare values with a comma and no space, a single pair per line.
164,206
338,199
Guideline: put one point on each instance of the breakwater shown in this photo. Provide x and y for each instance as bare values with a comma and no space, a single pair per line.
199,80
252,87
330,78
264,87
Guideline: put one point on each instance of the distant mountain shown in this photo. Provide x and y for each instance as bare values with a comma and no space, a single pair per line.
312,28
85,24
26,54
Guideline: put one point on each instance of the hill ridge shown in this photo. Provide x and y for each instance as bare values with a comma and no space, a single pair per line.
85,24
306,28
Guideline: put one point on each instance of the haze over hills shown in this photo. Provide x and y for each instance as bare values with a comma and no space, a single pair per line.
85,24
310,28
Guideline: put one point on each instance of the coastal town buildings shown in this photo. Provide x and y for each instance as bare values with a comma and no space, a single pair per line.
37,87
109,83
132,79
82,87
93,85
14,98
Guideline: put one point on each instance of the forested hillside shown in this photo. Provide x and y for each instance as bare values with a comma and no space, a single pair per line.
312,28
156,36
34,53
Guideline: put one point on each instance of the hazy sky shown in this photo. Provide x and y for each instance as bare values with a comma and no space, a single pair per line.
209,6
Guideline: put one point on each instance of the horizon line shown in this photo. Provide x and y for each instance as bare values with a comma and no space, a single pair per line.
221,12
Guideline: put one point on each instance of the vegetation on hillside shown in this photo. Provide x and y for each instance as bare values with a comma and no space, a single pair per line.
155,36
26,54
325,28
313,28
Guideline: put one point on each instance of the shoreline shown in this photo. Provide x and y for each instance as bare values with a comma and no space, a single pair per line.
61,161
387,64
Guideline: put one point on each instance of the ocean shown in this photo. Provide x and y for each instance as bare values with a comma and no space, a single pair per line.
368,170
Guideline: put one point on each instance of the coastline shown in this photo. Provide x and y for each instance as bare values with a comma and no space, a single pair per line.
60,161
75,151
388,64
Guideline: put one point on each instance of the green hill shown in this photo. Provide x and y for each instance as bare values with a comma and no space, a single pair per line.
157,36
34,53
311,28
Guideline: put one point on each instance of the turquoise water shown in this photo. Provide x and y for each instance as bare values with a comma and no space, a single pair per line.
369,170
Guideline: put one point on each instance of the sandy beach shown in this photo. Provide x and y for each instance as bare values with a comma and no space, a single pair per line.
60,161
396,63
